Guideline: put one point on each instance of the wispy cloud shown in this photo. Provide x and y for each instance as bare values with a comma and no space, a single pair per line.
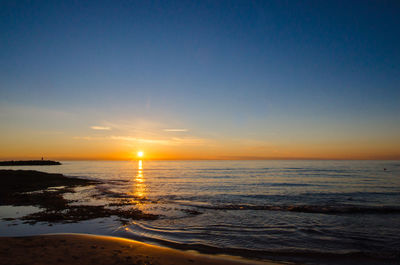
172,141
188,141
100,128
144,128
175,130
89,138
141,140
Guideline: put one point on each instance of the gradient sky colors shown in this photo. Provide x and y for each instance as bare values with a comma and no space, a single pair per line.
200,79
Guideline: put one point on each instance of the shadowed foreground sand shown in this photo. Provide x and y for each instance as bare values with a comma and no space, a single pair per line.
91,249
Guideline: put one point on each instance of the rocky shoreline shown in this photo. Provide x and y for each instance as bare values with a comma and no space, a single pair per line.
46,191
30,163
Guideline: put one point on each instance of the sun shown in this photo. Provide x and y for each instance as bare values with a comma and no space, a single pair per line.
140,154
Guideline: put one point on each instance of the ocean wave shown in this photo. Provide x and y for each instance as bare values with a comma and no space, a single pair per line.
324,209
292,184
184,240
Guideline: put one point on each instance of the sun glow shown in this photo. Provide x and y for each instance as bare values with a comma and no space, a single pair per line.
140,154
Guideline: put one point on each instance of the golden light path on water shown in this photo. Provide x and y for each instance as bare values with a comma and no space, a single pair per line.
139,183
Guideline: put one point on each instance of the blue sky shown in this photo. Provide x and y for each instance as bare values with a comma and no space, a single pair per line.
279,73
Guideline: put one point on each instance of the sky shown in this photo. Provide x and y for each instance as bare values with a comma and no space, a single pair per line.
200,79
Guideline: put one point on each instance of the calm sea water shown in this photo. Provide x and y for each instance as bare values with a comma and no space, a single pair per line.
315,212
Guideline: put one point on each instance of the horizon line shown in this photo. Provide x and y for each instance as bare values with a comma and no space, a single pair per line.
213,159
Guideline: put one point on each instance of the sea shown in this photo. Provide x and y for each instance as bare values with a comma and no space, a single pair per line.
307,212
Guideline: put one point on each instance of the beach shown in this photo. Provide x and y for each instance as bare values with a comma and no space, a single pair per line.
92,249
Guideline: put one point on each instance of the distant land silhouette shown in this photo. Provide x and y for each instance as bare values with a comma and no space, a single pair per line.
30,163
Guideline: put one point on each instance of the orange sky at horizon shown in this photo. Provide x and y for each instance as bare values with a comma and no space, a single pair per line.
35,132
61,148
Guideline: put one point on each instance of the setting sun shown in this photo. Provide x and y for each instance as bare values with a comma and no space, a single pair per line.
140,154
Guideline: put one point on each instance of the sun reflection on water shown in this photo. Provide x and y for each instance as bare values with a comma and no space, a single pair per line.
139,183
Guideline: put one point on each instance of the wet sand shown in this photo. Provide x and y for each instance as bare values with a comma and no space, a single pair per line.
92,249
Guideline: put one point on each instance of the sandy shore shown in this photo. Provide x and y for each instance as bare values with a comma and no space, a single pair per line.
91,249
